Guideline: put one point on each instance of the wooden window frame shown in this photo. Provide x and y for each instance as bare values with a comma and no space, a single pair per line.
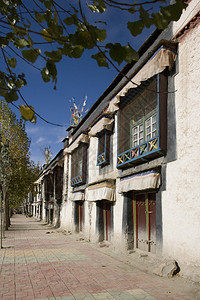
156,146
103,158
79,179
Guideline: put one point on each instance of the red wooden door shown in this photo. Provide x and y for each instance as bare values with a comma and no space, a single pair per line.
141,226
80,216
152,221
107,220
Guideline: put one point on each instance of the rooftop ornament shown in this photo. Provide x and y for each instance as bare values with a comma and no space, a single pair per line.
77,111
47,154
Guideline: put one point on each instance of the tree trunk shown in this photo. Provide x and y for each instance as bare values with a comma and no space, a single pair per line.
6,209
7,214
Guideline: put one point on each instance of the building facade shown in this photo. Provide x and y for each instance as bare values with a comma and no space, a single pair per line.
131,166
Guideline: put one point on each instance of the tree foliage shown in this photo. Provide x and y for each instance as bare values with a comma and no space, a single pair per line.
17,172
49,30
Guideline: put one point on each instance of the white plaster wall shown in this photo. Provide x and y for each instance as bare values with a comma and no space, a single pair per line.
66,216
67,205
90,230
180,201
118,239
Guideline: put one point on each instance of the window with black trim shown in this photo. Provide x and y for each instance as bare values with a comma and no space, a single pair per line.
58,177
48,186
142,122
79,165
103,157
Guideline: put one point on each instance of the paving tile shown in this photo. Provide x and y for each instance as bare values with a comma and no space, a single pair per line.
56,266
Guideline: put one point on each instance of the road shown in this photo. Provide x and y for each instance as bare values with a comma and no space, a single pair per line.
38,262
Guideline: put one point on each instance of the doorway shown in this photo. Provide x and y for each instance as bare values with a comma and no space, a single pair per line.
144,212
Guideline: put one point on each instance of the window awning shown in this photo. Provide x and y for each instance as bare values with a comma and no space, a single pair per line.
101,191
103,123
77,196
138,182
82,138
162,59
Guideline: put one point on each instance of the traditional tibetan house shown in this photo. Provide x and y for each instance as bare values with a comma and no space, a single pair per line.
131,166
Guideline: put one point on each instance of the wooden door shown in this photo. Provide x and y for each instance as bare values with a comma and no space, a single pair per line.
145,221
141,226
107,220
152,222
80,216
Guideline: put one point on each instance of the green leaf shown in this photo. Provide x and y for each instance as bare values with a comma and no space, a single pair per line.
30,41
77,51
46,34
100,6
130,54
12,62
160,20
4,41
39,17
27,112
45,75
144,15
10,36
101,59
73,20
135,27
174,11
92,7
48,4
20,43
56,56
120,53
132,9
97,33
31,55
34,119
116,52
82,38
20,83
52,69
11,96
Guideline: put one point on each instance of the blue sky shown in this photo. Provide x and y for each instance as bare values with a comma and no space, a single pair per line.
76,79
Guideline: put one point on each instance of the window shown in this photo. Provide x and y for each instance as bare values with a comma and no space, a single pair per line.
145,129
103,148
58,177
49,186
142,122
78,165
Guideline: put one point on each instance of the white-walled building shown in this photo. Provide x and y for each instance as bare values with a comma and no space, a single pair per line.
131,166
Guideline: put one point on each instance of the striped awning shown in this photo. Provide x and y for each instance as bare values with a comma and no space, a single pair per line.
141,181
82,138
103,123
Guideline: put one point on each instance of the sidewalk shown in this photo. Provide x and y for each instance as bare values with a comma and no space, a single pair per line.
38,262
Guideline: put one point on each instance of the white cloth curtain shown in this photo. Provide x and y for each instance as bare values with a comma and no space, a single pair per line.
77,196
102,191
139,182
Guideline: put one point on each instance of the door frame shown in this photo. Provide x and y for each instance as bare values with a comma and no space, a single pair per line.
147,212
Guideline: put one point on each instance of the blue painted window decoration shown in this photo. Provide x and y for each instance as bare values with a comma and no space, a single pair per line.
103,157
78,165
142,122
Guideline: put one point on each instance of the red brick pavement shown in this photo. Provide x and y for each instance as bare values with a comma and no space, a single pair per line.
36,264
